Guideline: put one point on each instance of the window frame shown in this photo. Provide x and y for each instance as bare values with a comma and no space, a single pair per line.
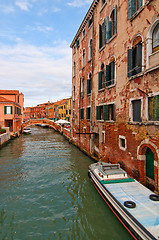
131,116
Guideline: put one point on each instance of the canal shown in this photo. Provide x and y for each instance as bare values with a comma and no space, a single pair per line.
46,193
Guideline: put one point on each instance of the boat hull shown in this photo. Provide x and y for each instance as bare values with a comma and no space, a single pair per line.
137,231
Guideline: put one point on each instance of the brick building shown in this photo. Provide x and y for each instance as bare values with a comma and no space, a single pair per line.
11,110
115,85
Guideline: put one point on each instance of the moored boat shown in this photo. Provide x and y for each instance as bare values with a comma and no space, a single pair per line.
27,130
134,205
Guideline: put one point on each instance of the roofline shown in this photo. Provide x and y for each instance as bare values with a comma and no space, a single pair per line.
85,20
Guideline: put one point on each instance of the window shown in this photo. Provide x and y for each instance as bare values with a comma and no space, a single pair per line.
122,143
102,35
133,6
83,58
155,39
73,97
153,108
90,49
99,112
84,33
103,136
89,84
82,114
109,112
90,21
88,113
135,58
136,110
77,43
112,24
101,78
8,109
74,69
82,87
110,73
103,2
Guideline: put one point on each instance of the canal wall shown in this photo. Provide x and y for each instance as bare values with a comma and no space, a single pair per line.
4,138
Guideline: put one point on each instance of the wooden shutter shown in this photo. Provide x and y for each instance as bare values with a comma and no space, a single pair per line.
99,80
140,3
114,110
130,62
88,86
131,8
97,113
5,110
100,36
156,108
108,75
11,109
137,110
115,19
109,29
150,108
139,58
106,112
104,33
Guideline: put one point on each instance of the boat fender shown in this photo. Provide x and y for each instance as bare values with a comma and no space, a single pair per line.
129,204
154,197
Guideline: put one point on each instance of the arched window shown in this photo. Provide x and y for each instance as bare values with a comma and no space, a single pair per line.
112,24
110,72
155,39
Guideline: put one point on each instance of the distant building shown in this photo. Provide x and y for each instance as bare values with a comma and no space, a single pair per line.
115,85
11,110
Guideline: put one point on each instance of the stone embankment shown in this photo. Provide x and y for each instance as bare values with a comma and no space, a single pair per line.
4,138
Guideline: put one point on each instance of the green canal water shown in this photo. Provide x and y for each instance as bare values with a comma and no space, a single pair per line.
45,193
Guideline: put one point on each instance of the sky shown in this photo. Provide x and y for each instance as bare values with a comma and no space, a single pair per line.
35,53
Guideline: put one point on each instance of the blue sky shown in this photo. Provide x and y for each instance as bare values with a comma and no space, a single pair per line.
35,54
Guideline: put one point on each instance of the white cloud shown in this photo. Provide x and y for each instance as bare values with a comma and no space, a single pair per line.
77,3
7,9
40,28
23,4
36,71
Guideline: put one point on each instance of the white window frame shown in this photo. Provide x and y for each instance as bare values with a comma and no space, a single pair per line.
120,143
131,108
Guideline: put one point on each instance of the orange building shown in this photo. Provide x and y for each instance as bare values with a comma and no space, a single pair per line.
11,109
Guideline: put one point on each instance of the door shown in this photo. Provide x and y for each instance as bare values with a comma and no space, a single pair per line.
149,164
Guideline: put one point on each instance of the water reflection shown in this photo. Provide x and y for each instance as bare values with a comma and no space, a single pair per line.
46,193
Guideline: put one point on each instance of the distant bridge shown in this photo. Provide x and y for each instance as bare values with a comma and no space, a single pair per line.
33,122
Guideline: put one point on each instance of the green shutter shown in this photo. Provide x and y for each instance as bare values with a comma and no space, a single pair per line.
140,3
104,33
103,79
156,108
109,29
130,62
131,7
115,19
106,112
112,72
5,110
139,58
88,86
100,36
108,75
82,114
99,80
114,110
98,113
11,110
150,108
